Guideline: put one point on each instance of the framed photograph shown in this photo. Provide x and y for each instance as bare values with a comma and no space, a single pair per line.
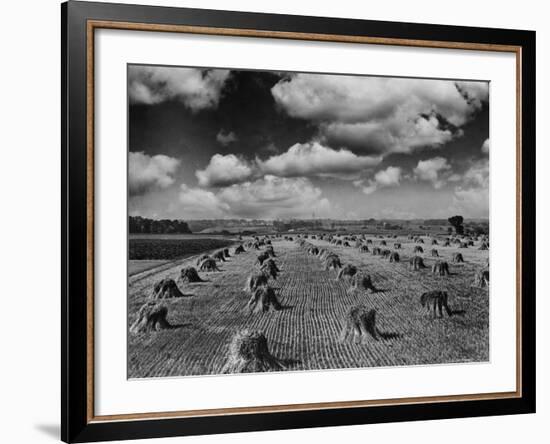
276,221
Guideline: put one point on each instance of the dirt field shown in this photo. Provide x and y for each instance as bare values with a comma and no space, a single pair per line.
305,333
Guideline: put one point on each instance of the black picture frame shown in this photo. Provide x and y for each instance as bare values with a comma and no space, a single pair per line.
76,423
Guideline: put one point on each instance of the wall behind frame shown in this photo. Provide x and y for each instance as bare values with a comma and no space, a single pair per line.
30,187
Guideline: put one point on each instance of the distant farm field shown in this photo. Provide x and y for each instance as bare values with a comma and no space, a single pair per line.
158,249
147,252
138,266
305,332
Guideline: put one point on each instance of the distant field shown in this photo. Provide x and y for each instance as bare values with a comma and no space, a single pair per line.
238,229
135,266
163,248
306,331
181,236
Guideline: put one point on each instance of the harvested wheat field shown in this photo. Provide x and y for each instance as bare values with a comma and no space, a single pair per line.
309,319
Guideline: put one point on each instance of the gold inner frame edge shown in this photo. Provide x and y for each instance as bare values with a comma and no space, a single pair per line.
92,25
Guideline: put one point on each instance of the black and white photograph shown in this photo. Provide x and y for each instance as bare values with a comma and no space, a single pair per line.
294,221
275,221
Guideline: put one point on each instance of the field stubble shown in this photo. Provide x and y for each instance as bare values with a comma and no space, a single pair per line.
305,333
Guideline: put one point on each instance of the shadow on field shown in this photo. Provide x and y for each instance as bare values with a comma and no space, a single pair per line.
184,295
176,326
379,290
458,312
386,335
290,362
450,313
197,284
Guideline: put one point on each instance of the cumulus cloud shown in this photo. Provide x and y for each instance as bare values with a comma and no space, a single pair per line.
477,174
472,202
225,170
431,170
471,198
314,159
389,177
146,173
381,114
291,197
300,160
394,213
485,146
266,197
399,134
202,203
225,138
196,88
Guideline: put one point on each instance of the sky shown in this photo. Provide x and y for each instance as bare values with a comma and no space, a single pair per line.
209,143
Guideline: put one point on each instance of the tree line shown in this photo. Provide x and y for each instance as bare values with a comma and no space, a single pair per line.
474,228
138,224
